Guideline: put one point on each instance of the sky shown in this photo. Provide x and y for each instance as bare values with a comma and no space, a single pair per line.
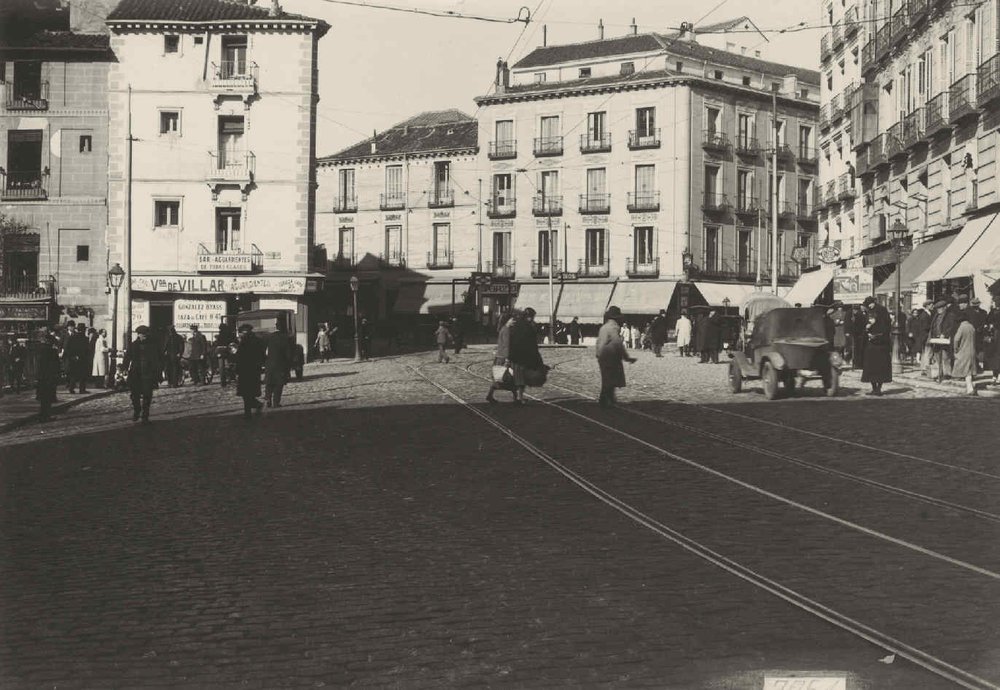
379,67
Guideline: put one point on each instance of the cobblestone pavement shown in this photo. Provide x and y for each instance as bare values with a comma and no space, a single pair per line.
373,533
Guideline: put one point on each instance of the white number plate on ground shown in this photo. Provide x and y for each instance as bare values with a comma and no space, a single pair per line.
805,683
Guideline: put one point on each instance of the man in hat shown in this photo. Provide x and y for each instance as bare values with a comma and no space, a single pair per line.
919,328
46,376
611,352
76,352
657,332
173,348
442,335
977,317
877,368
277,364
142,362
249,358
943,326
196,352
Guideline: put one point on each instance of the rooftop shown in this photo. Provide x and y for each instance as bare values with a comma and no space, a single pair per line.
58,40
429,132
200,11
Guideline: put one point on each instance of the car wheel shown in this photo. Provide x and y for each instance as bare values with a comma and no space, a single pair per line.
833,386
735,377
788,379
769,377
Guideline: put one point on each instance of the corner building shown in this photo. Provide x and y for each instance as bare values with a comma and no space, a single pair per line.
647,158
222,101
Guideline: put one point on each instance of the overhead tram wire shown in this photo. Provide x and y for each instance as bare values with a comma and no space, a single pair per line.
523,14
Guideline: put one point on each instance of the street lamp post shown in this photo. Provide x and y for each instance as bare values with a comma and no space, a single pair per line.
116,275
897,233
357,342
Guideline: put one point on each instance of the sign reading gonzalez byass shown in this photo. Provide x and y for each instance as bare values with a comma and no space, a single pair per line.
205,314
204,285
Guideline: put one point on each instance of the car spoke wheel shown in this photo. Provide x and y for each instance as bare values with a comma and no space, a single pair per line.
769,377
735,377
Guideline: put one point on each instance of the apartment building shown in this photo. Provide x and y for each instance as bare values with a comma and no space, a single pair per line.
53,167
400,211
927,147
637,170
220,174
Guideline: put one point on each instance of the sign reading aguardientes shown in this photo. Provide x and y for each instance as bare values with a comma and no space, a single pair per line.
205,285
225,263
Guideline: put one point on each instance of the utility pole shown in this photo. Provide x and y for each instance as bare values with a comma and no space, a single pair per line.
760,245
479,227
774,196
128,228
552,270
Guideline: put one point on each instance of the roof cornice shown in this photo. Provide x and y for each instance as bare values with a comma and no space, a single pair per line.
329,161
269,24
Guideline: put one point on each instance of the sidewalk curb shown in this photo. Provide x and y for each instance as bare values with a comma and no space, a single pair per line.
59,407
918,381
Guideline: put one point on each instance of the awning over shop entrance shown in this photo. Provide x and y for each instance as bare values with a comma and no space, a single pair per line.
586,301
919,260
536,296
963,257
715,293
809,286
642,297
427,298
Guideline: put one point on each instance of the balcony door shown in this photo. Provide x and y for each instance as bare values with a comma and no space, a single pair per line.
501,250
227,230
744,130
345,245
234,56
27,80
345,187
20,263
744,252
645,124
711,249
394,183
595,247
231,143
596,127
805,194
24,159
711,184
394,244
645,185
442,243
596,186
503,191
545,251
549,130
548,189
642,249
744,189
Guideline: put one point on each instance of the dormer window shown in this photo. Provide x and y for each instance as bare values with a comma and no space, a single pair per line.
584,73
628,68
718,74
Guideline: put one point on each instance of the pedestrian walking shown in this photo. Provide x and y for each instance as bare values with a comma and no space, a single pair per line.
47,376
683,328
943,327
249,359
195,353
18,357
442,336
838,315
526,361
658,332
99,366
877,366
322,343
991,341
142,362
277,364
365,339
711,338
77,354
977,317
859,336
503,375
173,349
611,352
574,331
920,329
457,334
964,349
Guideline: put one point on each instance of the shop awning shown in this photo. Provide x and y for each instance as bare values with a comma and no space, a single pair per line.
809,286
715,293
922,256
427,298
642,297
536,296
586,301
962,258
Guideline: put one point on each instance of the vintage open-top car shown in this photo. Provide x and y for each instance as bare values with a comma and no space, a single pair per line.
786,345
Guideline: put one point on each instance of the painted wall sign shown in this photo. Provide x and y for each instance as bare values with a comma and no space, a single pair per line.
644,217
442,214
269,285
140,313
502,223
24,312
345,219
205,314
225,263
393,216
596,221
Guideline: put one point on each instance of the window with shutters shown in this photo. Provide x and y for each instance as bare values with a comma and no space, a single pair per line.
595,247
166,213
227,229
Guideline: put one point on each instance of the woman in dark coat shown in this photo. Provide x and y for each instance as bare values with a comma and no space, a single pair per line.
48,376
878,347
858,321
991,342
249,358
523,353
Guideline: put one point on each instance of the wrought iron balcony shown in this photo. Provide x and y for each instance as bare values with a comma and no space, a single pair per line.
501,207
748,206
830,193
27,288
234,76
642,268
900,22
345,204
845,187
877,155
862,164
988,82
548,146
392,201
500,269
824,117
595,203
440,259
642,201
851,23
24,185
786,209
807,155
936,118
231,167
867,55
595,143
649,139
715,203
592,270
784,151
27,97
547,205
882,38
440,197
918,10
393,259
747,146
962,101
714,140
914,127
838,34
894,147
712,267
836,108
825,50
502,150
805,210
541,269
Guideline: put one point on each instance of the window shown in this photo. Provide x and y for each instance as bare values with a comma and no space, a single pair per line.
680,66
345,187
167,213
198,40
744,189
595,247
539,77
504,144
86,143
584,72
718,74
27,86
394,244
83,252
345,244
642,245
170,122
596,198
779,128
776,86
442,243
549,127
503,192
744,252
628,68
805,195
711,248
394,183
227,229
544,246
231,150
24,160
171,44
744,131
711,182
804,94
234,57
596,127
645,123
548,188
746,81
645,185
502,252
805,141
441,190
713,120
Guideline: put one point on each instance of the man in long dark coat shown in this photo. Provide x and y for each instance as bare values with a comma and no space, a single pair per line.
611,352
713,337
919,326
142,362
859,336
173,348
78,360
277,364
249,359
47,376
658,332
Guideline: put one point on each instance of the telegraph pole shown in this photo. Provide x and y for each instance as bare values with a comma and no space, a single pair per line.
774,197
479,227
128,228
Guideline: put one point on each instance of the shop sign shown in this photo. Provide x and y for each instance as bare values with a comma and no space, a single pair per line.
499,289
644,218
205,314
828,254
389,217
853,285
140,313
502,223
345,219
225,263
595,221
276,285
442,214
24,312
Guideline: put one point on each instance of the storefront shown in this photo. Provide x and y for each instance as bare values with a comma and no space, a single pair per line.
23,318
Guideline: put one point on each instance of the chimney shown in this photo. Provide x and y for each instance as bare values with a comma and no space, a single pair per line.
687,32
600,29
275,10
496,80
634,28
374,136
505,76
545,35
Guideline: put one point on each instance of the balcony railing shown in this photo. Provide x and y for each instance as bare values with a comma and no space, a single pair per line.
234,75
593,270
500,269
644,268
877,152
837,108
548,146
229,259
345,204
838,34
715,203
642,201
547,205
502,150
900,22
851,24
27,288
824,117
440,259
862,163
962,101
914,127
894,147
747,146
825,47
936,118
440,197
540,269
231,167
988,81
24,185
595,203
786,209
344,262
714,140
393,259
784,151
747,206
392,201
845,187
805,210
867,55
882,38
807,155
830,193
712,267
501,207
23,97
595,143
647,139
